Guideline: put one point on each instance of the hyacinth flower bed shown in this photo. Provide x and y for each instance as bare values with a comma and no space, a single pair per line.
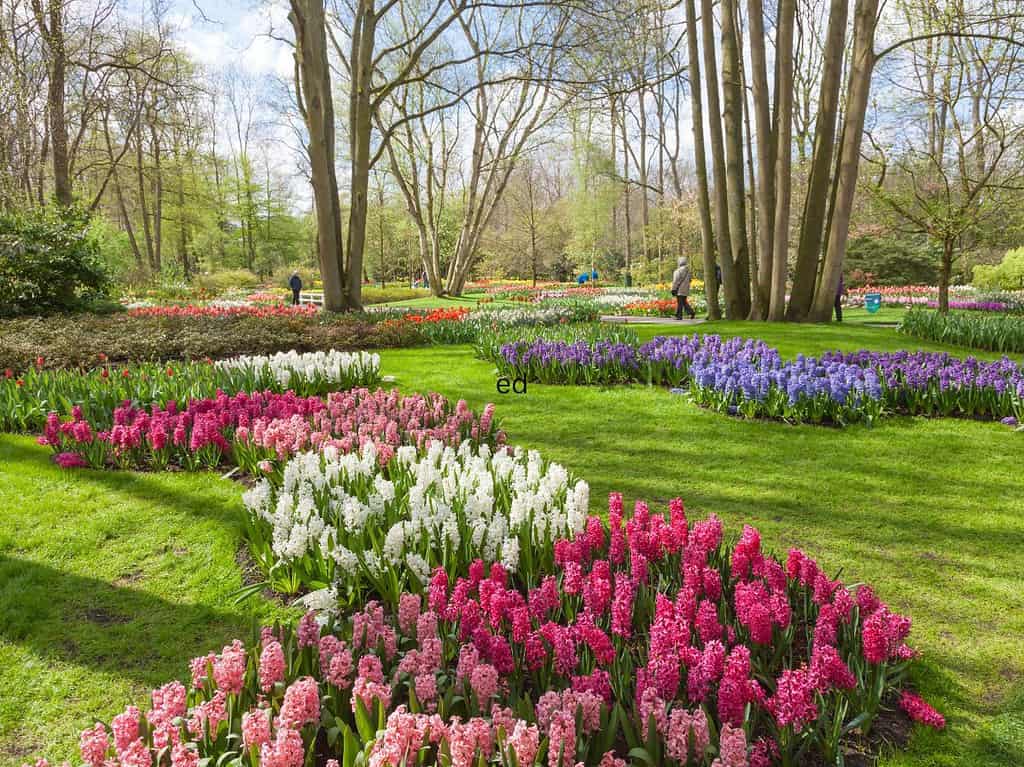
653,641
364,528
458,326
998,334
256,431
27,398
749,378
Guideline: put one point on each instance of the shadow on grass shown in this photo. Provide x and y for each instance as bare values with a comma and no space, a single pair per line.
89,622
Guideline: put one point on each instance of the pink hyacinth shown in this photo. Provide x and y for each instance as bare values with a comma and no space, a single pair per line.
408,612
183,755
369,693
308,630
272,663
484,682
340,671
920,710
469,741
286,750
125,727
301,704
883,634
793,704
94,745
229,668
255,728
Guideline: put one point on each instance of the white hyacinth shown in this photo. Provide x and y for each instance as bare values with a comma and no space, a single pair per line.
443,506
295,370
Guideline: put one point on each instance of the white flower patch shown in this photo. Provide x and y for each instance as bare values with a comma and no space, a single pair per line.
302,371
445,506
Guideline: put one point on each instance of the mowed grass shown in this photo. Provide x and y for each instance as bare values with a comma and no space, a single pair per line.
110,582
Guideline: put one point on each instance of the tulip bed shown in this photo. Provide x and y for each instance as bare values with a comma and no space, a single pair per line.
749,378
26,399
652,640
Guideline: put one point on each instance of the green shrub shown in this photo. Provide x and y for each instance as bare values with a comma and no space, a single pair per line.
49,261
997,333
375,295
1008,274
218,282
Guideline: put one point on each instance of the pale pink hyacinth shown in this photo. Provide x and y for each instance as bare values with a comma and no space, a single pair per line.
408,613
369,692
484,682
610,760
339,673
732,748
562,740
524,741
468,740
255,728
686,729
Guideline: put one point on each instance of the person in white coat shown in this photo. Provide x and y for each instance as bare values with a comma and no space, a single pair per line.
681,278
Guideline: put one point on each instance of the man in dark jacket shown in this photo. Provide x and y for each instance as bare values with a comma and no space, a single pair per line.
295,283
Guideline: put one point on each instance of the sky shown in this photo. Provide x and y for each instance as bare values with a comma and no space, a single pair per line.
219,33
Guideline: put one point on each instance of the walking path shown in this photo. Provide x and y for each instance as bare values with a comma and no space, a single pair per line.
627,320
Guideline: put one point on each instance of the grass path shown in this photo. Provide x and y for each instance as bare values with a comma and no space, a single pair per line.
109,581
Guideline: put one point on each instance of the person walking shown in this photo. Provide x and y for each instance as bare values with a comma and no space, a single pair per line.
840,292
681,278
295,283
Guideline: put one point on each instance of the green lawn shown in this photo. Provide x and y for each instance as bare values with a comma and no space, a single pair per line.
110,582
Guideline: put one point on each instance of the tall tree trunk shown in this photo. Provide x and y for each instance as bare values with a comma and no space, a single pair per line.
783,156
364,34
862,66
158,203
732,120
723,236
147,230
945,275
700,163
313,83
816,203
51,26
766,179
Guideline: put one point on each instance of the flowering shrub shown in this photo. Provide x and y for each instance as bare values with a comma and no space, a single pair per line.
306,374
749,378
256,430
653,637
374,523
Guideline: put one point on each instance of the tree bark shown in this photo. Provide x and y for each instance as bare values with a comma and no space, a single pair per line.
766,172
783,157
862,66
313,82
816,203
51,26
722,234
738,288
700,163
